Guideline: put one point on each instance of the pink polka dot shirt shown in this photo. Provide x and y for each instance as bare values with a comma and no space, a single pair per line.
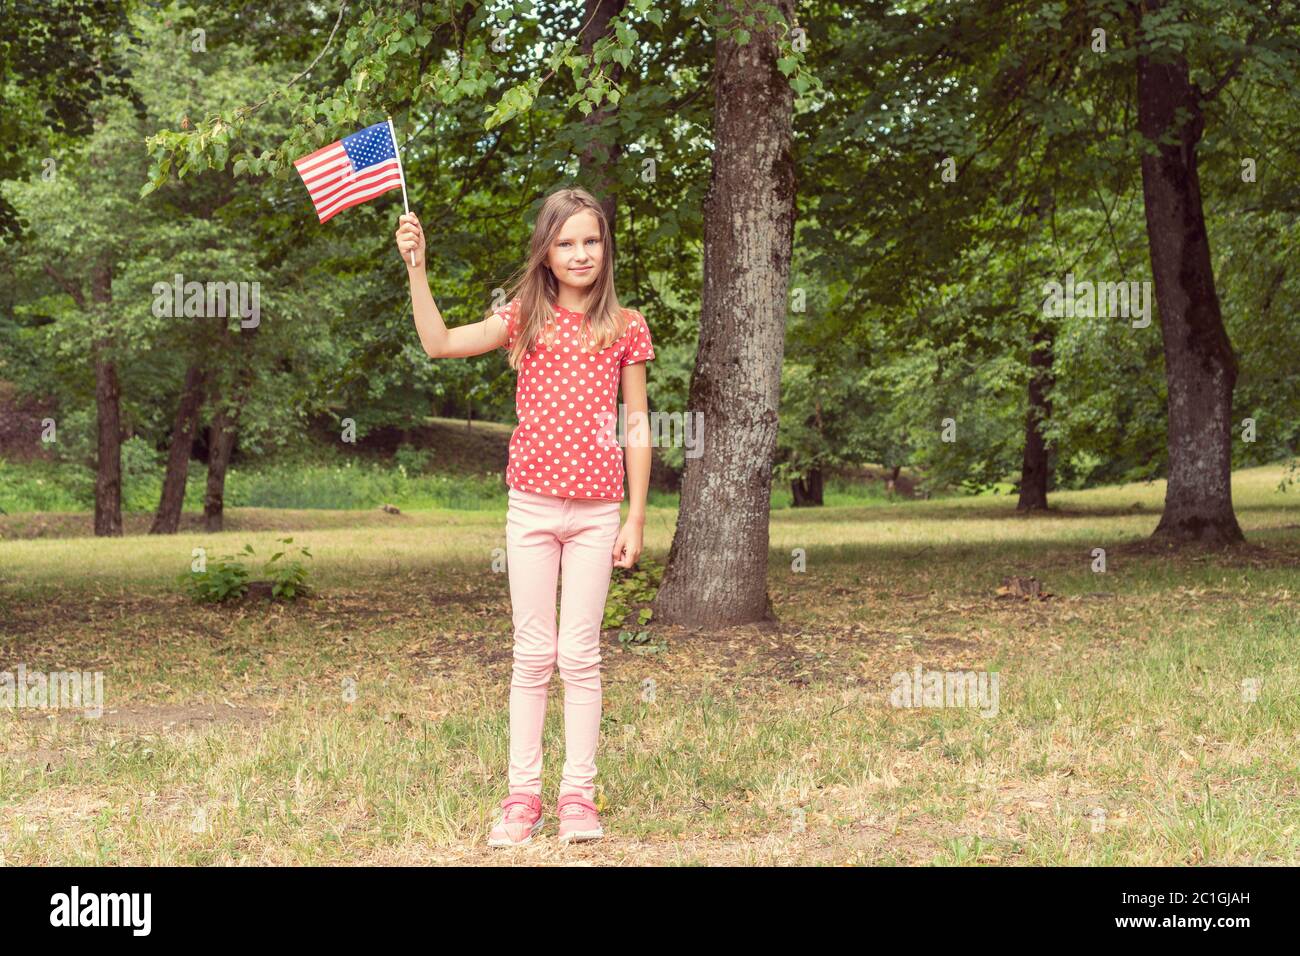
566,401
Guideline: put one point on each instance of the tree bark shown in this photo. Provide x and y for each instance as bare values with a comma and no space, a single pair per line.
891,483
108,409
225,426
1200,367
168,517
220,444
807,491
717,566
1033,469
596,163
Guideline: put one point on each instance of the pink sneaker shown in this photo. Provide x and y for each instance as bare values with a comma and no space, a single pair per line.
521,817
578,819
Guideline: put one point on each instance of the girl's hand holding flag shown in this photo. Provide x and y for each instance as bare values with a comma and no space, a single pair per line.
410,241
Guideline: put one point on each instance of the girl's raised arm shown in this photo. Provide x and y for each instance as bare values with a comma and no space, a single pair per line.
438,340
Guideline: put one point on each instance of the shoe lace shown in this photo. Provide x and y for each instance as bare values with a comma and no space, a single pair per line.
518,811
573,810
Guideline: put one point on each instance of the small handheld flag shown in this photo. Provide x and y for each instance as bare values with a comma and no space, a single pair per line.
352,170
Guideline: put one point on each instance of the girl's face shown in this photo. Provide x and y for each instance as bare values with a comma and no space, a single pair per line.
577,252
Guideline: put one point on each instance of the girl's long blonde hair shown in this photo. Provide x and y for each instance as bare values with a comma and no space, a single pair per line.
538,290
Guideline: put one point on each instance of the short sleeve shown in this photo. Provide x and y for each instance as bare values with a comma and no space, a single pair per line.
639,347
510,314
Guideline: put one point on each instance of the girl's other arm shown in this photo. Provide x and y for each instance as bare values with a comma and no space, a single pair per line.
639,351
438,340
638,441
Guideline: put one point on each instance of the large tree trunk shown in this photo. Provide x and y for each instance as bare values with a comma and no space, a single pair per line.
108,408
168,517
1200,367
717,567
1033,469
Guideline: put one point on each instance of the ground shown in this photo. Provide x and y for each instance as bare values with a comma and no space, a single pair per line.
1146,712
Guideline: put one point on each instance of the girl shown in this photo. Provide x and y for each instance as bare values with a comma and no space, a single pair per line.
573,346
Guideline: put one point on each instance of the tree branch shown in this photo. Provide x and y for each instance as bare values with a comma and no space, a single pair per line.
256,106
1240,58
77,295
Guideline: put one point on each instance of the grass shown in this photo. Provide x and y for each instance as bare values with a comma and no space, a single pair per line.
368,726
443,465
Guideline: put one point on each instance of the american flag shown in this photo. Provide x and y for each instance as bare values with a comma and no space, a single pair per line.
351,170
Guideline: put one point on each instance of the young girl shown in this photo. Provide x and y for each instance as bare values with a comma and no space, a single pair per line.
573,347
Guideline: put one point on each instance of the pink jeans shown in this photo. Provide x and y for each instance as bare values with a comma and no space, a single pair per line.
545,534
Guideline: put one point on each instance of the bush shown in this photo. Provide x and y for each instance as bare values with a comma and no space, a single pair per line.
289,577
358,485
70,486
35,486
227,578
411,460
630,587
222,579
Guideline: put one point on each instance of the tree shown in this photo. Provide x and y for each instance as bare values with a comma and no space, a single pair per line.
717,566
81,228
1200,366
57,59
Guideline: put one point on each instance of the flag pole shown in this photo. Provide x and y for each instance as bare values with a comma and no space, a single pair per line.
400,175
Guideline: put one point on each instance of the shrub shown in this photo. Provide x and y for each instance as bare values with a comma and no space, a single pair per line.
629,587
227,577
219,580
411,460
289,577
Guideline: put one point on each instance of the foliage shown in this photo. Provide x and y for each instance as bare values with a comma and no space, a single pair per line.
920,296
641,642
288,577
632,589
412,460
385,52
227,577
220,580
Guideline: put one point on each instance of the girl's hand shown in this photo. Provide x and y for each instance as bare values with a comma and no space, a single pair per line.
410,238
628,546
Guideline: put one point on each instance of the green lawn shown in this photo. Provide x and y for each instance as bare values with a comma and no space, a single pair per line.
368,725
